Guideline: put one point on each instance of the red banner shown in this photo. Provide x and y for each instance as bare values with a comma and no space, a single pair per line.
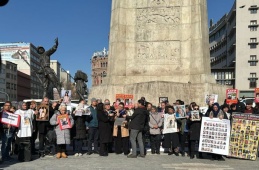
231,96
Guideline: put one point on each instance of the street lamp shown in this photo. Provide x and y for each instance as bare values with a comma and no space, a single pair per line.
6,95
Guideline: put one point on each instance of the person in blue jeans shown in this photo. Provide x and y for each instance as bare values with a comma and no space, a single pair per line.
7,133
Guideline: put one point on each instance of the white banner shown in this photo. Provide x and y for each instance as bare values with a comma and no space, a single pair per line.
215,134
10,118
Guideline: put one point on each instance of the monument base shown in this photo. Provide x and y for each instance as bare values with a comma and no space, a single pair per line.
188,92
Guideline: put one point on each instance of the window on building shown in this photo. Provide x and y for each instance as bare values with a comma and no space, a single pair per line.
253,9
7,75
14,86
252,80
253,43
253,40
253,28
253,22
253,60
7,85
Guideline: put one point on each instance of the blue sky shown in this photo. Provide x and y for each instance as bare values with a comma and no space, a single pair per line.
81,25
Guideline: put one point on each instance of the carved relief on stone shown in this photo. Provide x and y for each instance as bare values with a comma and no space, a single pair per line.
170,15
167,52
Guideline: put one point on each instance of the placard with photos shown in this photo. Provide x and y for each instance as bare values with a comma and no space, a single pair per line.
244,136
195,115
214,136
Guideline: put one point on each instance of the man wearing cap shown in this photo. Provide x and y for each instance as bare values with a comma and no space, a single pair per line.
92,124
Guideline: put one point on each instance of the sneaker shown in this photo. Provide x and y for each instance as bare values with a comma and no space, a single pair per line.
76,154
132,156
80,154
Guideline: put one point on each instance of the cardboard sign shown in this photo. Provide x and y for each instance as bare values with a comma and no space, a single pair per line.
231,96
10,118
214,136
257,95
64,122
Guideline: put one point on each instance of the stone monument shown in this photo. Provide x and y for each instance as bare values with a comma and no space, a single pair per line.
159,48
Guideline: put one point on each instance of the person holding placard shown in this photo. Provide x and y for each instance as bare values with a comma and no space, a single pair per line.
7,133
25,131
80,128
216,112
120,132
63,135
171,139
194,124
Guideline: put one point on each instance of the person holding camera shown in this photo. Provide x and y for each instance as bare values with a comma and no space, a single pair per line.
121,132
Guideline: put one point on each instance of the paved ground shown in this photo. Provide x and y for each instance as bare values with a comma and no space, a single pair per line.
151,162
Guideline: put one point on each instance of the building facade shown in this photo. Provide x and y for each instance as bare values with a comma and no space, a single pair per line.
14,52
234,47
3,96
99,64
55,65
11,80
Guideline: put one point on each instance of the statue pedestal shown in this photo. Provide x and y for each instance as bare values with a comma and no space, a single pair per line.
188,92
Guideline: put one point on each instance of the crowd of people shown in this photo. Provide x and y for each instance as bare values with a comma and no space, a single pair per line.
99,125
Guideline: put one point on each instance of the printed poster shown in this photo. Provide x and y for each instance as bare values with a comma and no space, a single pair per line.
195,115
128,100
256,95
170,125
231,96
180,111
66,96
214,136
244,136
10,118
43,113
211,99
64,122
119,98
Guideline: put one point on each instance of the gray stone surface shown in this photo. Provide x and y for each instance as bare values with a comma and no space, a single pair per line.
113,161
162,45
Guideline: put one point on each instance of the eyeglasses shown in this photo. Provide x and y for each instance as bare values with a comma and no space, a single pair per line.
195,108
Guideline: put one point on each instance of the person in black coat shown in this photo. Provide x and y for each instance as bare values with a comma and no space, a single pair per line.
194,132
105,129
136,127
80,130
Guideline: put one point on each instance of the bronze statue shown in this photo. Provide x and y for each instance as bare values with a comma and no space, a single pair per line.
48,73
80,79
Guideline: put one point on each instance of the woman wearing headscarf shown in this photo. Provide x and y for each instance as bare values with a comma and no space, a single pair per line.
216,112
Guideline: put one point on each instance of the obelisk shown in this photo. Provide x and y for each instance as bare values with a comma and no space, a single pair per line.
159,48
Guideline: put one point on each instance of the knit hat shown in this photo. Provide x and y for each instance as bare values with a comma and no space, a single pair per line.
93,100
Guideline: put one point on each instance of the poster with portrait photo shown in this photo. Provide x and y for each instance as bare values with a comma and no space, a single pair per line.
256,94
170,125
163,99
66,96
215,134
64,121
118,99
244,136
43,113
211,99
128,99
179,111
203,110
195,115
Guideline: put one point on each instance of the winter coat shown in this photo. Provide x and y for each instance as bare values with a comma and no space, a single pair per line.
63,136
138,119
105,128
80,128
194,128
92,120
155,119
124,130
